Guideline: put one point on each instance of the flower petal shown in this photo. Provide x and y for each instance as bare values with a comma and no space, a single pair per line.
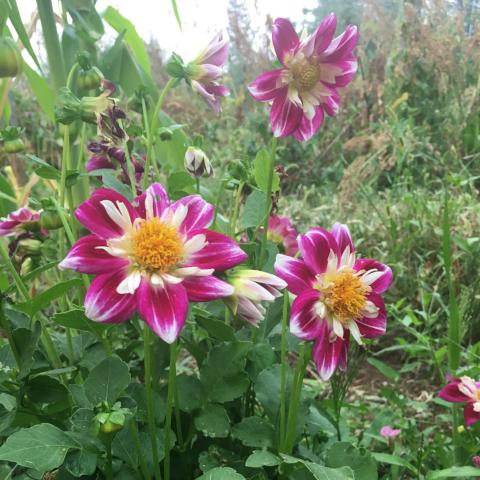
329,352
265,87
250,311
305,321
104,304
199,213
285,115
86,257
285,39
93,215
342,235
470,415
316,246
220,252
205,289
154,199
97,162
216,52
294,271
342,46
309,127
374,327
322,37
451,392
382,283
164,309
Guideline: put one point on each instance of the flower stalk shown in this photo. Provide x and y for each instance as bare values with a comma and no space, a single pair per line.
268,207
172,373
283,363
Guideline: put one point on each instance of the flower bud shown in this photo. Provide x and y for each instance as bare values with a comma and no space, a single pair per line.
14,146
50,220
12,141
29,246
176,68
460,429
197,163
10,58
26,266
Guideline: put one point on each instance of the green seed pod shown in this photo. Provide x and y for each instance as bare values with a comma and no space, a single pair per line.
50,220
89,79
110,427
14,146
10,58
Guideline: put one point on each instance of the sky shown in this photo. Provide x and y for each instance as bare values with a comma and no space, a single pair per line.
200,18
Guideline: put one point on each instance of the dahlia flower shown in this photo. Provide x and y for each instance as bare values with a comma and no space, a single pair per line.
283,233
205,72
464,390
388,432
18,221
152,256
338,295
306,86
251,288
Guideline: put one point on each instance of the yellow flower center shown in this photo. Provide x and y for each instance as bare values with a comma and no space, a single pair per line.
344,294
306,75
157,246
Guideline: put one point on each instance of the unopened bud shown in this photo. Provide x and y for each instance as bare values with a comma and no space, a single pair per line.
29,246
197,163
50,220
26,266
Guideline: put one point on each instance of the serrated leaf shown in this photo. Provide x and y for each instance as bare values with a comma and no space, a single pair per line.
262,458
213,421
254,432
221,473
42,447
107,381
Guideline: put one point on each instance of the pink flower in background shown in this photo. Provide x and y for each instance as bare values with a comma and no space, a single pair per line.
388,432
18,221
282,232
306,86
152,256
206,71
476,461
251,288
464,390
338,295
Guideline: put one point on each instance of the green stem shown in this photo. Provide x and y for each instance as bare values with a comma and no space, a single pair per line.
151,130
138,446
172,373
197,184
130,169
268,207
236,209
283,363
5,324
108,466
21,287
149,396
178,420
295,400
52,44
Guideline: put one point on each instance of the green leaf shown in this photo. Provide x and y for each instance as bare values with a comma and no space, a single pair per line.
110,180
121,24
254,210
344,454
46,389
221,473
320,472
107,381
222,374
393,460
177,14
254,432
26,341
262,458
123,447
44,299
454,472
43,92
76,318
17,23
81,462
213,421
262,169
179,181
8,202
190,393
42,447
216,328
384,369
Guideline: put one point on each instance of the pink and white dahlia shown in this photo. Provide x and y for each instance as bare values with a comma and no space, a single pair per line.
467,391
251,288
306,87
338,295
283,233
18,221
152,256
206,71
